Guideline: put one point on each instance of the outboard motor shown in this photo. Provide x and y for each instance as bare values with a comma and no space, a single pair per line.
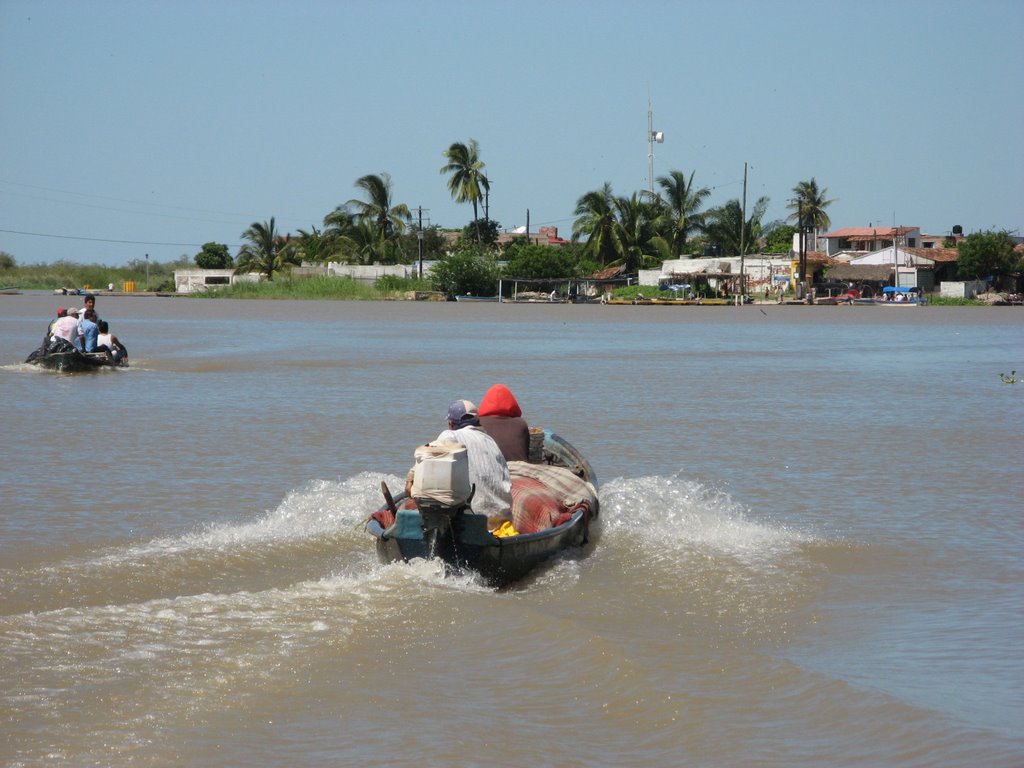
443,493
442,526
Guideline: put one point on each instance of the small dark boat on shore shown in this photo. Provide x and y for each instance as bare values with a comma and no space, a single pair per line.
60,355
554,501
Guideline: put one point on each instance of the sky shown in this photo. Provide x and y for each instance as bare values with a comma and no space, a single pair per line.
139,129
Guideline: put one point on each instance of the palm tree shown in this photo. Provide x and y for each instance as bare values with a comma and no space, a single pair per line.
388,220
683,203
265,250
338,226
596,220
725,226
636,231
467,182
808,205
352,238
622,229
308,246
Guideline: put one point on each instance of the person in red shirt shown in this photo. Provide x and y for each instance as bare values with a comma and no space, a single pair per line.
502,418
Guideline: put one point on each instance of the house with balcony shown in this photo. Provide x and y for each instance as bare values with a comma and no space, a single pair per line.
861,240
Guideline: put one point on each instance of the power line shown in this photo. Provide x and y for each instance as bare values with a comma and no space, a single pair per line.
107,240
118,200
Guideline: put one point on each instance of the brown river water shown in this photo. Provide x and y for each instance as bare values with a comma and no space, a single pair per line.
809,549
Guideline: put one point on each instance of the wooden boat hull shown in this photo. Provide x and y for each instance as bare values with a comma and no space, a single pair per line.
499,561
469,546
67,359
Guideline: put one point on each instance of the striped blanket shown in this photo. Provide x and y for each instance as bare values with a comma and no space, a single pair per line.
544,496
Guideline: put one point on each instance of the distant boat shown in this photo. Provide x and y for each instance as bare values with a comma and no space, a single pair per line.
470,297
898,296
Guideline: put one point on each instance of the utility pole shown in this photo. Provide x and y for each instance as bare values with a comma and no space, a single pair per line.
419,238
743,236
803,247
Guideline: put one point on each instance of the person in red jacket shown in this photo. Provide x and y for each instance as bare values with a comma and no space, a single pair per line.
502,418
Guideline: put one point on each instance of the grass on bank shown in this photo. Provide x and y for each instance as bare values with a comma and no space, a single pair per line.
63,274
340,288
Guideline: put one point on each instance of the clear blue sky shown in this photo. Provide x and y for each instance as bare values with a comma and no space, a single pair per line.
170,124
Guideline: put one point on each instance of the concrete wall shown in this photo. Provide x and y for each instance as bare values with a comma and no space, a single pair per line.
967,289
369,272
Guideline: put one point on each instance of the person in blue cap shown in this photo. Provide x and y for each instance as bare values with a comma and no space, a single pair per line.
487,468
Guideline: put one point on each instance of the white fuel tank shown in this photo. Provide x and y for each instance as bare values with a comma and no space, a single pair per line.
441,473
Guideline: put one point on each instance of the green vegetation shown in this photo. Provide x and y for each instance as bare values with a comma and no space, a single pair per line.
64,274
988,253
951,301
214,256
341,288
471,270
540,261
263,251
780,240
467,181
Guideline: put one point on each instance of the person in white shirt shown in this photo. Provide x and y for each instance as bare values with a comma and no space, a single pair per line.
66,327
487,468
108,342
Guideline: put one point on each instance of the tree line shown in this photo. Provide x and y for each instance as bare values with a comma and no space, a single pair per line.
634,231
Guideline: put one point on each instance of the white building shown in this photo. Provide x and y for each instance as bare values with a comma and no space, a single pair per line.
760,272
192,280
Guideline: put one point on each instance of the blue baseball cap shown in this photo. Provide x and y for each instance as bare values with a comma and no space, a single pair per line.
462,413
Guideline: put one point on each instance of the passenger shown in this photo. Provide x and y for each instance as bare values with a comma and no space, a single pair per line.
108,342
66,327
88,330
90,305
502,419
62,312
487,468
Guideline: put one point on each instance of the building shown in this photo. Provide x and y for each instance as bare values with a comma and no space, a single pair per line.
924,268
193,280
867,239
722,274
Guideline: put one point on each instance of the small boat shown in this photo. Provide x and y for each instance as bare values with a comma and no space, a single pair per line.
61,355
470,297
893,296
554,502
833,294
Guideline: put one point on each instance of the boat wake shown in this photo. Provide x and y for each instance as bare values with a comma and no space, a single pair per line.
316,533
215,614
682,515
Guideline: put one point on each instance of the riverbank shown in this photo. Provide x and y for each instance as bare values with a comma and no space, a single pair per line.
346,289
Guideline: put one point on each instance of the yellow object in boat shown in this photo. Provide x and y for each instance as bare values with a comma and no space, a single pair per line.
505,529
